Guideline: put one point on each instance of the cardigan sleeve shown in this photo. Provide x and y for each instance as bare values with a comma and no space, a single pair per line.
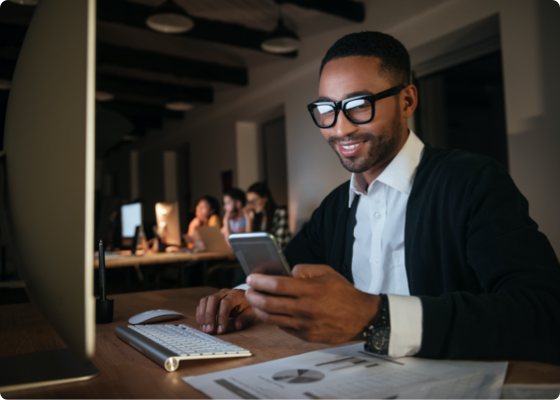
515,314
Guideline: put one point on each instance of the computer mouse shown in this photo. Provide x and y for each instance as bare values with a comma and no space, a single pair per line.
150,317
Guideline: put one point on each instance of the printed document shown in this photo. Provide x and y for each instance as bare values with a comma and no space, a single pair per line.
350,372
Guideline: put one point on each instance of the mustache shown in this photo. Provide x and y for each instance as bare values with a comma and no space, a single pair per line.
334,140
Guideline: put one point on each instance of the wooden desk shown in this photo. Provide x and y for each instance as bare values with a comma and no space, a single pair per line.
125,373
116,261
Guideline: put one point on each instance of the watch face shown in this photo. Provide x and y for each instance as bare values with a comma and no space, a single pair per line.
380,339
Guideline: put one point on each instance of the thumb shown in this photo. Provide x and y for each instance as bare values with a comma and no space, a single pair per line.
245,318
306,271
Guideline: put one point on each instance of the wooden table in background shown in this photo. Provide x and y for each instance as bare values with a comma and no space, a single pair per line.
126,373
129,260
185,260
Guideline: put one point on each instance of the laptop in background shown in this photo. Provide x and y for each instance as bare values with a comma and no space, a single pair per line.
213,239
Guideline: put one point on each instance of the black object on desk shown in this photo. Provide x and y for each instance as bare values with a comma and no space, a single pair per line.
103,305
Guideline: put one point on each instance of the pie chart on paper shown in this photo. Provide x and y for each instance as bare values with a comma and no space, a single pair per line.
298,376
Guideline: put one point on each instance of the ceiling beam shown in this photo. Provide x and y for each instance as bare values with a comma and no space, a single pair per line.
135,110
204,29
145,122
108,54
7,68
352,10
4,94
120,85
12,35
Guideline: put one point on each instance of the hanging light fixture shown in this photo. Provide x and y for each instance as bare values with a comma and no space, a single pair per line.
170,18
179,105
25,2
103,96
281,40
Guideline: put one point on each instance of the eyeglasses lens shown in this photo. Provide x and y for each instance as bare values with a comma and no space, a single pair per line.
359,110
324,115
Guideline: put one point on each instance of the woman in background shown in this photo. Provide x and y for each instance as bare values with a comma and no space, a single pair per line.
207,213
264,216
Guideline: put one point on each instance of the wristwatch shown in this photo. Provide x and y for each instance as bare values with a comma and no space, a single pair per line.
377,335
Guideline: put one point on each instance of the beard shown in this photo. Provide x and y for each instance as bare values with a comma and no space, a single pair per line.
381,147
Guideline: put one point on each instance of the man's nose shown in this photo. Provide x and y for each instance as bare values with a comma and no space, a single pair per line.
343,126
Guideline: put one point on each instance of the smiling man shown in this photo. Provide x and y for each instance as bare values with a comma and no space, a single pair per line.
424,252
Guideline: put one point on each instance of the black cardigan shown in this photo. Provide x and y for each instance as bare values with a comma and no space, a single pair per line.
488,280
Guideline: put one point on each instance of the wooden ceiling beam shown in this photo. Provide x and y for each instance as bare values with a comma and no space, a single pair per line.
120,85
7,68
204,29
108,54
136,110
12,35
352,10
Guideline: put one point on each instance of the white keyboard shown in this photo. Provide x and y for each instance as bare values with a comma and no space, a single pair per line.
169,344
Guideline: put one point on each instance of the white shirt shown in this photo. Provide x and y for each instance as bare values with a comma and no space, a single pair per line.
378,264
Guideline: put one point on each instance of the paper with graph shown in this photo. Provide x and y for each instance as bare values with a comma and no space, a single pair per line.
349,372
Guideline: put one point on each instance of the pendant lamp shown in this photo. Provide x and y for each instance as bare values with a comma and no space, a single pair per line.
281,40
170,18
25,2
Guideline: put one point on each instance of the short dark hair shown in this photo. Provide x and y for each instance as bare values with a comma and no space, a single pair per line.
395,61
237,195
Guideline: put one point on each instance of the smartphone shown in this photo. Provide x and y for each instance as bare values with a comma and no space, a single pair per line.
258,252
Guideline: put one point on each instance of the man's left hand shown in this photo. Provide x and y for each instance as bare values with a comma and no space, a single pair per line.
319,305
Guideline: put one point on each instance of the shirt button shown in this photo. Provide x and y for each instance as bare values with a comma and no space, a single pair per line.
343,267
377,215
376,261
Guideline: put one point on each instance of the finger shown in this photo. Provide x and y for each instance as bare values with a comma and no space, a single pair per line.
283,321
245,318
307,271
275,305
228,303
211,310
280,285
200,310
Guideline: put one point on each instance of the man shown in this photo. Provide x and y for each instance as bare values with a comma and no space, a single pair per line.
235,220
423,252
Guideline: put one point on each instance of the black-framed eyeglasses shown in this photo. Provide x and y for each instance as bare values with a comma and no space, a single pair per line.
358,110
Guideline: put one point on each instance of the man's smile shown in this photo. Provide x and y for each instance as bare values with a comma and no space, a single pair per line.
350,149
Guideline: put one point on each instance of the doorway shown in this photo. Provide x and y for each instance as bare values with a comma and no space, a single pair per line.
463,107
274,159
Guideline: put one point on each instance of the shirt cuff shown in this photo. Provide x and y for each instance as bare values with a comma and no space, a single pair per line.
243,286
405,314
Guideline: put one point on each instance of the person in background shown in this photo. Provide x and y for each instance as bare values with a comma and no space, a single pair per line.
207,213
234,220
264,216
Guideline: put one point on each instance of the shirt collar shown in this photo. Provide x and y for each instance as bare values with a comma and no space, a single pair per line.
400,172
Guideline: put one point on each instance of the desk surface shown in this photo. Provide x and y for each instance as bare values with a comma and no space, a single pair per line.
125,373
115,261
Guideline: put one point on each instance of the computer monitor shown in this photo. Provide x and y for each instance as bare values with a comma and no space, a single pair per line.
49,187
168,226
131,218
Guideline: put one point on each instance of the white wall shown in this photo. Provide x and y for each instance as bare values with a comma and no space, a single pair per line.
247,151
530,41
